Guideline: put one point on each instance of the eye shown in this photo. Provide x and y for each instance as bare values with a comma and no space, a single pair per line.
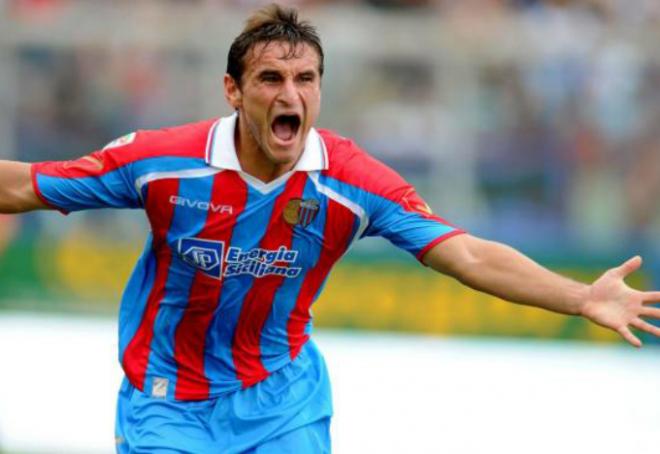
270,77
307,77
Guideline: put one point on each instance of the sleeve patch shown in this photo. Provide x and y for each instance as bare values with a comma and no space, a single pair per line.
413,202
120,142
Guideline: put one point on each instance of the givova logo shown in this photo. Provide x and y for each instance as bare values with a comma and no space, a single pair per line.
207,255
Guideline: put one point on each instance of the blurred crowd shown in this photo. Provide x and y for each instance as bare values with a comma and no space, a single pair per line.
610,10
527,120
605,8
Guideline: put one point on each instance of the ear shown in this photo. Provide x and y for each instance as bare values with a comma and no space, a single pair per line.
233,93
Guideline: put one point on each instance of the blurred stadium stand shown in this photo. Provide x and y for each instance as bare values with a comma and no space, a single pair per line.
530,122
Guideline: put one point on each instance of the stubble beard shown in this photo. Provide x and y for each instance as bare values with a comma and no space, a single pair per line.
262,148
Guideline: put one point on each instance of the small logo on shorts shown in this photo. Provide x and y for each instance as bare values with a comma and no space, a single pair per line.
301,212
159,387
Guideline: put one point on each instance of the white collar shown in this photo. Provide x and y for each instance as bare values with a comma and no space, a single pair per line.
221,149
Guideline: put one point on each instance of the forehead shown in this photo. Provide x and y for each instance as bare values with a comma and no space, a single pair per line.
282,55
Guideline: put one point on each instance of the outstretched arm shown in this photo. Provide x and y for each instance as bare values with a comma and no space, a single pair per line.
16,192
502,271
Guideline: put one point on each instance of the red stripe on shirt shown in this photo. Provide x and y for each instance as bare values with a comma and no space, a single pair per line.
347,164
337,234
188,141
246,348
136,355
190,337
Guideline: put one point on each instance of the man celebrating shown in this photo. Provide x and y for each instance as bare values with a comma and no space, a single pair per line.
248,214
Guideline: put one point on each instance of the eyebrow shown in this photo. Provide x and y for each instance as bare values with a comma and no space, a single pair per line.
308,72
269,72
276,72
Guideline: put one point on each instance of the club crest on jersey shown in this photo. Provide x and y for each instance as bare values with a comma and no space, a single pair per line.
206,255
301,212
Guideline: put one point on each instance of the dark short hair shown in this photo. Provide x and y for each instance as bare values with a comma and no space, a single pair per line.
272,23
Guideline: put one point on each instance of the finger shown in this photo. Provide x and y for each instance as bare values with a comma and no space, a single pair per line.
645,326
629,266
651,297
653,312
625,332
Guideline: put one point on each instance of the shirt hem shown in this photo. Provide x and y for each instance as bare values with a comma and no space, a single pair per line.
40,195
440,239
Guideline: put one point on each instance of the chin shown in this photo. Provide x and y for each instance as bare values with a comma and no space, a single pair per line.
281,159
284,157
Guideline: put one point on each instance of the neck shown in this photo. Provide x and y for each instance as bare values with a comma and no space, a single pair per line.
253,158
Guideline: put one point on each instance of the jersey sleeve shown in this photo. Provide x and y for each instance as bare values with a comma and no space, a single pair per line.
405,219
393,208
102,179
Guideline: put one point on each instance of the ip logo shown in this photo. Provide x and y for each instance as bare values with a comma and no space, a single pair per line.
205,255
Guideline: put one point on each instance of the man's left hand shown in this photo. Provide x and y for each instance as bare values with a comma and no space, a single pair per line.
613,304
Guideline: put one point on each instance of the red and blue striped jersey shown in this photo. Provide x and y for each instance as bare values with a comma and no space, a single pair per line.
221,296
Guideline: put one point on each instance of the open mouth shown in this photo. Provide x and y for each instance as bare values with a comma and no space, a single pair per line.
285,127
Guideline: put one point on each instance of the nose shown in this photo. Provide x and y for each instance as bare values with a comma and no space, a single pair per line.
288,92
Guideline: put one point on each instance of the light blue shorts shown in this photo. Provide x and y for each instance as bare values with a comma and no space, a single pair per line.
289,412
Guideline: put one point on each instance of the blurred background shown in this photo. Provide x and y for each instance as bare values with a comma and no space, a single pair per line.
533,122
